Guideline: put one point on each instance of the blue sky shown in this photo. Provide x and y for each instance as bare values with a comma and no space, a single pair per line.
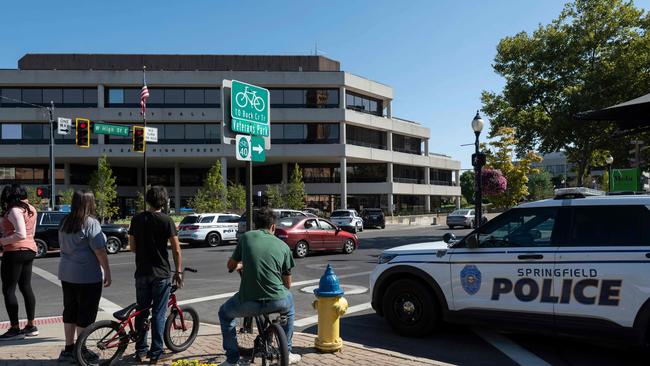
436,55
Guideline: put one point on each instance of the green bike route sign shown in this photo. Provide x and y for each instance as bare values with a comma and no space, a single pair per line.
107,129
250,109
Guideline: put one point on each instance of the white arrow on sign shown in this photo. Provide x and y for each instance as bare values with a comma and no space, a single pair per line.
258,149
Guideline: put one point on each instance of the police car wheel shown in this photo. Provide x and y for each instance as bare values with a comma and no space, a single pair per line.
113,245
410,308
41,248
213,240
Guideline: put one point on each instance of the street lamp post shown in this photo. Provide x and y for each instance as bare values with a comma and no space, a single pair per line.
478,160
609,160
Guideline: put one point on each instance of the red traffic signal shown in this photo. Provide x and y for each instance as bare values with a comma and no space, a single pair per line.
139,143
42,192
82,132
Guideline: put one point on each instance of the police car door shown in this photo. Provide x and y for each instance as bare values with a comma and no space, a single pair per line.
506,271
602,267
227,227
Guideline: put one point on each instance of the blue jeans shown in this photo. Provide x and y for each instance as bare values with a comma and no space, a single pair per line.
154,292
233,309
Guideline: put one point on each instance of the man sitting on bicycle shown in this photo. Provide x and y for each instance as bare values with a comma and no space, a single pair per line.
265,263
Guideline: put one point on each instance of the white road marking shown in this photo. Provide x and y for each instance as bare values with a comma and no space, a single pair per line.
104,304
230,294
314,319
514,351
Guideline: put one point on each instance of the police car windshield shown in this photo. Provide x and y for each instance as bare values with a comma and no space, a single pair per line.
189,220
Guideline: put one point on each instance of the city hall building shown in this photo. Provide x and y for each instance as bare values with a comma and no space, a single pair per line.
337,126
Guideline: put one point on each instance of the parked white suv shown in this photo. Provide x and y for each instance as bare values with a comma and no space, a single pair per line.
577,264
348,220
210,229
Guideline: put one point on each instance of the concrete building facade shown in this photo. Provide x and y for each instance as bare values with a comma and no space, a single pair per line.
338,127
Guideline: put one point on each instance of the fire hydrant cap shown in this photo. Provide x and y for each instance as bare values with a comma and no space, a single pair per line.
329,284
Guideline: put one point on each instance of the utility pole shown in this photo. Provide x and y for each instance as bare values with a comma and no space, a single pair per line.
50,111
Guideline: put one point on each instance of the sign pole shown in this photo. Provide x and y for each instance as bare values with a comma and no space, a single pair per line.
249,195
52,171
144,153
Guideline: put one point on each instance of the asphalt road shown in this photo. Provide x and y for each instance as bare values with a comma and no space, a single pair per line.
209,288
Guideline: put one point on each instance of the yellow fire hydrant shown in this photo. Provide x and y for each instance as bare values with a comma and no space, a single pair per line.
330,304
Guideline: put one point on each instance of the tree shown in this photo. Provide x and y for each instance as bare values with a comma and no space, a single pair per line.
212,196
236,197
274,197
65,196
467,185
540,186
605,181
295,198
103,186
516,174
592,56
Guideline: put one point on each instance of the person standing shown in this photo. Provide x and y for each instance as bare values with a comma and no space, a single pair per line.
19,247
149,233
83,258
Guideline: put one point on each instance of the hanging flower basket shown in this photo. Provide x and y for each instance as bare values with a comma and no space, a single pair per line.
494,182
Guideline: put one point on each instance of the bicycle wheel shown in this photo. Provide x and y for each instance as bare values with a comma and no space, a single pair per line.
181,333
102,343
277,349
259,104
241,100
246,334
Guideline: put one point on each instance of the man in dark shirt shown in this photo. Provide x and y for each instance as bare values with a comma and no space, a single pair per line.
148,236
265,264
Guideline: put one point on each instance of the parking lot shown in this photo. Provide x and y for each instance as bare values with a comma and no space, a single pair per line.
212,285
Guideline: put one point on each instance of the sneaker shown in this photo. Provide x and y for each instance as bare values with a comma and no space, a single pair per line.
140,357
294,358
90,356
30,331
66,356
12,334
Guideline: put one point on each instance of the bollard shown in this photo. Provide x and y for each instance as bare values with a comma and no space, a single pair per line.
330,304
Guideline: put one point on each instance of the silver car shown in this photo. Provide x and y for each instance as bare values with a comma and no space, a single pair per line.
464,218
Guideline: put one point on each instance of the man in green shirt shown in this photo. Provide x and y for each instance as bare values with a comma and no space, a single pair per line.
265,264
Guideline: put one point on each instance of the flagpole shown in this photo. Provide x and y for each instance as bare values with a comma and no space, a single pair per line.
144,154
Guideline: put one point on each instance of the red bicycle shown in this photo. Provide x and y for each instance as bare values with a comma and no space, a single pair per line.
103,342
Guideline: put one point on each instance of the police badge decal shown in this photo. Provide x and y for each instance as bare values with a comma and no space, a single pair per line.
470,279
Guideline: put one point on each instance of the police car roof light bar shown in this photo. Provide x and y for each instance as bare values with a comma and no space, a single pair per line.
577,192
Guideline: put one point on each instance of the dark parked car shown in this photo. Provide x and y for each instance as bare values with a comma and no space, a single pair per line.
47,233
307,234
373,217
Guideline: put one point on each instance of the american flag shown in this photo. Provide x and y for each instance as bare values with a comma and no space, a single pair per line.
144,95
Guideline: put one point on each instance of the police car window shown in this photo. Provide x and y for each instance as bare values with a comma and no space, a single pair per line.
56,218
609,226
206,219
531,227
224,219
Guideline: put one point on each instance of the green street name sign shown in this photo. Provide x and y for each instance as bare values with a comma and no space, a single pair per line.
106,129
625,180
257,149
250,109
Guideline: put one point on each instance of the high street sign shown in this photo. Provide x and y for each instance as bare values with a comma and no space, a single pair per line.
108,129
250,109
250,148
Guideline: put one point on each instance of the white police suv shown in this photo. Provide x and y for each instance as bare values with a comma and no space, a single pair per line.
578,264
210,229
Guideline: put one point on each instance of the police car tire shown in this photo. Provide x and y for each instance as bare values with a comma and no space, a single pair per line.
41,248
426,308
209,243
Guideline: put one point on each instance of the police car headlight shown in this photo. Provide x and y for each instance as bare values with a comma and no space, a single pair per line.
385,258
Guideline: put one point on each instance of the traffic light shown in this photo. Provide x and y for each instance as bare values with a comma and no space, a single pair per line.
42,192
83,132
139,143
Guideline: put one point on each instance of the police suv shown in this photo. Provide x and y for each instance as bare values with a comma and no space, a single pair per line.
210,229
578,264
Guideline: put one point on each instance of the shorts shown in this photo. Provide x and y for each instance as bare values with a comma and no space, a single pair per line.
81,302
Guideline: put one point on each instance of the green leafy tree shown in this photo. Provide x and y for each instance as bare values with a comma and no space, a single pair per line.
139,199
212,196
103,186
499,156
274,196
65,196
593,55
467,185
295,198
237,197
605,181
540,186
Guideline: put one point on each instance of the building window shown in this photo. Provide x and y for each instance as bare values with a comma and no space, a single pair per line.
304,133
160,177
364,104
363,201
304,98
367,173
366,137
125,176
408,204
62,97
408,174
11,131
321,173
193,177
440,177
267,174
177,133
164,97
27,174
407,144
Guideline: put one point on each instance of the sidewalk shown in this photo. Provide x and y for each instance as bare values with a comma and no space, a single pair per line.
44,349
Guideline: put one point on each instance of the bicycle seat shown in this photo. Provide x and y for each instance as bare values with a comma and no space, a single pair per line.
124,313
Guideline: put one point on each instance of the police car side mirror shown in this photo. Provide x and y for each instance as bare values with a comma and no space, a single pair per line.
472,241
449,238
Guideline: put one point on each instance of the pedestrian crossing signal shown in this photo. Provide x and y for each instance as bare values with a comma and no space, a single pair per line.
82,132
42,192
139,143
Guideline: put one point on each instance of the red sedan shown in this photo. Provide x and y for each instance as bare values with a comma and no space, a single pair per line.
309,234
